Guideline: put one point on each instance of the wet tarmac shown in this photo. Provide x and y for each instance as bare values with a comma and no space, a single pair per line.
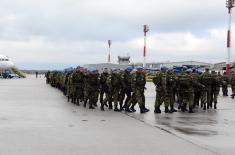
37,119
211,129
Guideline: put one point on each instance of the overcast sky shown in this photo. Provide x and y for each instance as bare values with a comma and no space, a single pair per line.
58,33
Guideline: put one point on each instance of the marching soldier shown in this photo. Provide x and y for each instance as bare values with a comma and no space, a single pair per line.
225,84
215,89
138,86
103,86
233,85
93,87
207,81
126,87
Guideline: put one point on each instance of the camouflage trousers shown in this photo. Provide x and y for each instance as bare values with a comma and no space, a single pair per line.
93,96
161,97
78,93
123,94
137,97
187,99
85,93
108,98
233,90
214,95
115,96
225,90
206,97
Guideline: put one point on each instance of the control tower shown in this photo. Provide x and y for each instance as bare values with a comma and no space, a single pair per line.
124,60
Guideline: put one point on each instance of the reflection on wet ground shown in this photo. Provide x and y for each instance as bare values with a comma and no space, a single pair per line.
209,128
192,131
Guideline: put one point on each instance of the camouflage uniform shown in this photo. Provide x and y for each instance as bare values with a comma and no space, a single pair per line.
126,89
67,87
47,75
93,87
225,81
197,90
103,88
186,91
138,86
215,89
85,88
233,85
207,81
78,86
162,94
114,82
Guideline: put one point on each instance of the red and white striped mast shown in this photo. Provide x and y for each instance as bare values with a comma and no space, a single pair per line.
109,55
229,5
146,29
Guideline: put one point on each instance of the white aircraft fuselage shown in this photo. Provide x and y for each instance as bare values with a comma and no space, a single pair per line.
5,62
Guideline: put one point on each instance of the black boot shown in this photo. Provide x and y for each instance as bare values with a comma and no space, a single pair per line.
116,109
78,102
204,107
190,110
121,107
102,107
157,110
133,108
127,109
143,110
72,101
146,108
124,106
167,110
85,102
68,99
110,106
91,107
105,104
232,96
184,109
173,109
215,106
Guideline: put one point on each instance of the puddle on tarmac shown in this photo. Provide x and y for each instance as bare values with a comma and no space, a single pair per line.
70,125
197,132
3,119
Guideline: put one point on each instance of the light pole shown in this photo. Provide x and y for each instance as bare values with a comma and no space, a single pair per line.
229,5
109,55
146,29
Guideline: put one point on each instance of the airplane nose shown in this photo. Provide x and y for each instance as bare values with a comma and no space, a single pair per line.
11,64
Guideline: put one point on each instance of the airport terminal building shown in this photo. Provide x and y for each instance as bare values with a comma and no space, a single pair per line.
123,62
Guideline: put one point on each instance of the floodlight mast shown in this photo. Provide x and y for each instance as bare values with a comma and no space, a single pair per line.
109,54
229,5
146,29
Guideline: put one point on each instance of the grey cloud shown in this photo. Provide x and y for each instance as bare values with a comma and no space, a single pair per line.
76,31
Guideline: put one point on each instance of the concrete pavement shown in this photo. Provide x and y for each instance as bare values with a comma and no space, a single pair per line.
36,119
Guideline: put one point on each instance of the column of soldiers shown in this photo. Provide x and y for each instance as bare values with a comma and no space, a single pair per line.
190,89
116,89
121,90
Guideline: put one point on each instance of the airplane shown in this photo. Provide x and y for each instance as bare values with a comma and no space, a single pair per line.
5,63
6,67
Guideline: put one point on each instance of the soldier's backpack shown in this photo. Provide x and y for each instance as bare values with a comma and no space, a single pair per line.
207,80
184,81
157,80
